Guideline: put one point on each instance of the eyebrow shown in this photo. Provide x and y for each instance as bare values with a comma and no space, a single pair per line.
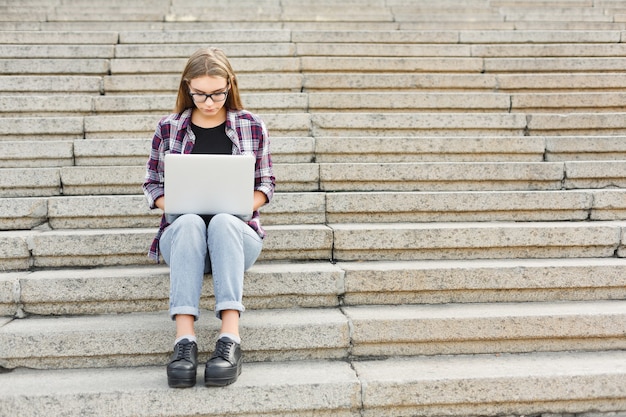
214,91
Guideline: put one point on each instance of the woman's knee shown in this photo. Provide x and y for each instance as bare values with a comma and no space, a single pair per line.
223,221
189,221
189,226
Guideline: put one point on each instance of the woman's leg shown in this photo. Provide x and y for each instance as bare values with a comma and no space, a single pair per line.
233,248
184,249
183,245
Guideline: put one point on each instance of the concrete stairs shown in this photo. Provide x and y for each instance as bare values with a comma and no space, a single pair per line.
447,235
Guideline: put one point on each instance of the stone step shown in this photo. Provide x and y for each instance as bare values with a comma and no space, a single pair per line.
241,55
297,17
131,211
158,84
458,82
414,241
469,65
463,124
547,65
485,328
51,84
271,335
29,52
512,25
277,36
582,123
574,81
142,126
29,37
37,154
72,105
118,15
321,285
55,66
387,64
121,152
438,48
476,65
481,281
362,177
469,176
390,207
580,148
23,250
256,102
462,176
494,385
469,149
138,66
114,3
116,126
101,212
527,37
311,82
146,289
417,124
562,50
568,102
132,152
466,102
534,383
315,333
558,14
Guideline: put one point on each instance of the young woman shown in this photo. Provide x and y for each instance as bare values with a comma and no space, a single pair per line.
208,118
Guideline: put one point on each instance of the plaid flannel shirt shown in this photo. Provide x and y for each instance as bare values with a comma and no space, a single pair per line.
174,135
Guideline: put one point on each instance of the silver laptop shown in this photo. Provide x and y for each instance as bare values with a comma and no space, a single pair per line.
209,184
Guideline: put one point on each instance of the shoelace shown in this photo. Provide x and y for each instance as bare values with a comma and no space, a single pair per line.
183,351
222,350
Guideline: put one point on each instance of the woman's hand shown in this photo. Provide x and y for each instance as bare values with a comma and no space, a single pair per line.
259,200
160,203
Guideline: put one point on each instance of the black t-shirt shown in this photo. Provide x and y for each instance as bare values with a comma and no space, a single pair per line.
212,140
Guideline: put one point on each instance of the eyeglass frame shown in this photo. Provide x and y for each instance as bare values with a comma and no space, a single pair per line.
207,96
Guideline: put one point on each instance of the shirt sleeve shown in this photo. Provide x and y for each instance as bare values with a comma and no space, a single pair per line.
264,173
153,187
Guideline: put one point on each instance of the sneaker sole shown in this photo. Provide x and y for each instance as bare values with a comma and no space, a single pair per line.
226,378
180,381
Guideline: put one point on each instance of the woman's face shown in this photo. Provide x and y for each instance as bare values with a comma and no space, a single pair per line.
214,87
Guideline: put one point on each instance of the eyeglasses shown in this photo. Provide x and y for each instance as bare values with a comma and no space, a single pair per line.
215,97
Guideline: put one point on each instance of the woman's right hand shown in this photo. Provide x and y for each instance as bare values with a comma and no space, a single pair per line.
160,202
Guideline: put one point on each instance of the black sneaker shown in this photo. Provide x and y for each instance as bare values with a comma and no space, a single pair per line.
224,367
181,371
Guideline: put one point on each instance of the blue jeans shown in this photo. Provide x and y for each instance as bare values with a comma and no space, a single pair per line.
232,246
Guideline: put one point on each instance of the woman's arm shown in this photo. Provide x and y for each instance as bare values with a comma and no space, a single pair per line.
259,200
160,203
265,181
153,185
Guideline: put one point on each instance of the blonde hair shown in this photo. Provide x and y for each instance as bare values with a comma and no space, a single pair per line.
211,62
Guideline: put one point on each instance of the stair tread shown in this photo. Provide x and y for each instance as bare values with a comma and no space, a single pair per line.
321,284
300,333
332,387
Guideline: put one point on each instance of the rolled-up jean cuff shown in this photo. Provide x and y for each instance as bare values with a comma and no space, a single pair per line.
188,311
228,305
